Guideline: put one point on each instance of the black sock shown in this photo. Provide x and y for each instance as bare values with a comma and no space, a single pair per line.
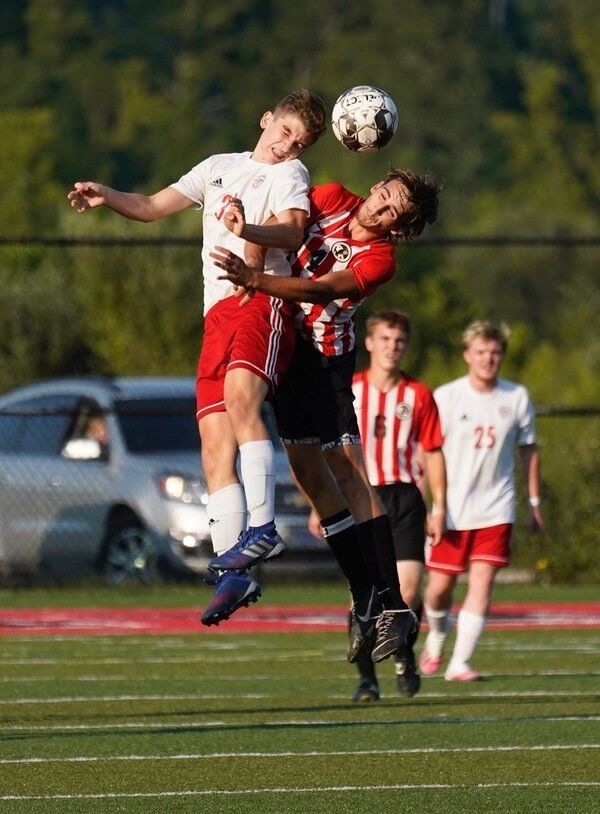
364,664
341,536
376,539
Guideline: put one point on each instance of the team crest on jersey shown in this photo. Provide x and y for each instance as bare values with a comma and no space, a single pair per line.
258,181
403,411
505,412
341,251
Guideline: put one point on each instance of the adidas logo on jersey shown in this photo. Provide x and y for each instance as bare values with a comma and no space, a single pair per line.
218,182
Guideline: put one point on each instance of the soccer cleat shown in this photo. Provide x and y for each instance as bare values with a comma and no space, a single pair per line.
428,664
251,548
362,630
408,679
393,628
466,674
366,692
233,591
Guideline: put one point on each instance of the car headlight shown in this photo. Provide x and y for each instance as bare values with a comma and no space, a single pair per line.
183,488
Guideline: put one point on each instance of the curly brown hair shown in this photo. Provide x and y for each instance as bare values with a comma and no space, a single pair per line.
423,191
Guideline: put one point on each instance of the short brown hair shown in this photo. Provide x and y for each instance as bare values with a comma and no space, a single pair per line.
309,108
423,191
483,329
390,317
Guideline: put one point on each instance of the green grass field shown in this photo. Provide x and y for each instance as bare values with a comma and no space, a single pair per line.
263,723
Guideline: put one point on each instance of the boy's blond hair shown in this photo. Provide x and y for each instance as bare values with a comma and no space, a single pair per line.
483,329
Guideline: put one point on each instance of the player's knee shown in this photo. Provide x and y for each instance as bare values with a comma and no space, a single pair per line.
242,410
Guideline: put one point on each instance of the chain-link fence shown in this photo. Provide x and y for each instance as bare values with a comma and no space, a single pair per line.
70,505
102,477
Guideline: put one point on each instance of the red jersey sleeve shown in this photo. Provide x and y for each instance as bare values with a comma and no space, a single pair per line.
324,199
430,432
374,269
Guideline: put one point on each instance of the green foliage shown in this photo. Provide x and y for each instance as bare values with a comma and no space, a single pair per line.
567,550
500,100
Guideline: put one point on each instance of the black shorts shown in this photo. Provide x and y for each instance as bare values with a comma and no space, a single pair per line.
314,401
405,507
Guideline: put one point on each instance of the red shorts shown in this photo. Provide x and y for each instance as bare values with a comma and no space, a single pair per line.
257,336
459,548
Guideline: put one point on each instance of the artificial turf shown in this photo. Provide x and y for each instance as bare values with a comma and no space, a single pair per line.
264,723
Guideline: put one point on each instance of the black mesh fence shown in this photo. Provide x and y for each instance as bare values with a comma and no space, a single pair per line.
73,507
94,487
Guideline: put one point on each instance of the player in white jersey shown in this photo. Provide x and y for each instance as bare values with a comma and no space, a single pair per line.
484,418
399,427
244,350
346,254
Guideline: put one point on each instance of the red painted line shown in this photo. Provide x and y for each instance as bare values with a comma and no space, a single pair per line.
269,619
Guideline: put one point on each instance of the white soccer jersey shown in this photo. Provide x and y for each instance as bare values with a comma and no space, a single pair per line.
481,431
264,189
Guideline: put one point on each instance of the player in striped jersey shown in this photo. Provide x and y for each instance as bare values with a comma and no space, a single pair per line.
399,425
484,418
347,253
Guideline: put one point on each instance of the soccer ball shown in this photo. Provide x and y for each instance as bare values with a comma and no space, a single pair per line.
364,119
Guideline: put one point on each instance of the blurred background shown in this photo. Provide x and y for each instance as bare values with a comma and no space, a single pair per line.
499,99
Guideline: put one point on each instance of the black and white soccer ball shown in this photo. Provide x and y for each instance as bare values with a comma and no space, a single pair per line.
364,119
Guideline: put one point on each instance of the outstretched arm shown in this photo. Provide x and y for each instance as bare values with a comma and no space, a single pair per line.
146,208
332,286
281,231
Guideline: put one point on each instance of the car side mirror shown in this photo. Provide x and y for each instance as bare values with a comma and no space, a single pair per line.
83,449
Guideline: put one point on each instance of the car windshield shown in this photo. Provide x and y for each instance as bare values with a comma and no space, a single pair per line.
159,424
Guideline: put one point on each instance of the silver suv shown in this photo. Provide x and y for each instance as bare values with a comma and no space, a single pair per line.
106,473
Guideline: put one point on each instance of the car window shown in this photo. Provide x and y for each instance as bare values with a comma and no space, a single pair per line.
159,425
88,437
44,422
9,431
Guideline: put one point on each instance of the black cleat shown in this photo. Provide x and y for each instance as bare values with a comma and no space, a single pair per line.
366,692
362,630
408,679
394,628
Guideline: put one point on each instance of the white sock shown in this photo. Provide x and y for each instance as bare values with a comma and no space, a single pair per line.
469,627
439,627
227,516
257,464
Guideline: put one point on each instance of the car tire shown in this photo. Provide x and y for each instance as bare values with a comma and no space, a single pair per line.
129,554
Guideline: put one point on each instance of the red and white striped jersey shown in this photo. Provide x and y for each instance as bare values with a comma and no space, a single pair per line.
326,248
392,425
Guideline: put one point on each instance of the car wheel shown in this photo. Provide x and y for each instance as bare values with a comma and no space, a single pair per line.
129,554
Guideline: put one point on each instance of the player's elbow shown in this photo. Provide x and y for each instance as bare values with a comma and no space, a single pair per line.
321,293
292,237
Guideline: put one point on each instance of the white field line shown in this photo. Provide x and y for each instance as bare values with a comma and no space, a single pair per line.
297,790
82,699
204,724
336,753
280,679
92,699
315,655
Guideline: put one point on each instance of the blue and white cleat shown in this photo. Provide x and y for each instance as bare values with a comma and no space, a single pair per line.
252,547
233,591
